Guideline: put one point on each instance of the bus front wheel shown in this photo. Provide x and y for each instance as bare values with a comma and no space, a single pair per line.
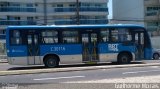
124,58
51,62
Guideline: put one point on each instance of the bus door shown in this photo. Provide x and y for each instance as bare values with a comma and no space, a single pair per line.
139,43
33,48
90,47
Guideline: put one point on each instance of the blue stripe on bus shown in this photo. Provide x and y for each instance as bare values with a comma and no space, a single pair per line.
70,49
114,48
16,51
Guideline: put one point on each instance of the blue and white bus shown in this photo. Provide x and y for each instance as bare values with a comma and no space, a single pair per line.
71,44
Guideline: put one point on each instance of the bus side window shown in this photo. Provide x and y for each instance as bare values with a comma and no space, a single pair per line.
104,35
70,37
120,35
16,37
49,36
42,39
113,39
124,35
114,35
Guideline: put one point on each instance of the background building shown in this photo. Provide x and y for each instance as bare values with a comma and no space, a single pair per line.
143,12
126,11
61,12
49,12
152,16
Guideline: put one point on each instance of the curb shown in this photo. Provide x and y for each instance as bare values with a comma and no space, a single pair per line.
3,61
53,70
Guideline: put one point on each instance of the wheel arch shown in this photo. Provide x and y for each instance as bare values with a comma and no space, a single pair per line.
47,55
129,53
155,53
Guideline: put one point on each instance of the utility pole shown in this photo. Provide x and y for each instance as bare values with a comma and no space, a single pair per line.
45,12
77,12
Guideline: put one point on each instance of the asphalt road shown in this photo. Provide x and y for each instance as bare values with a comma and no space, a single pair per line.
60,80
6,66
63,77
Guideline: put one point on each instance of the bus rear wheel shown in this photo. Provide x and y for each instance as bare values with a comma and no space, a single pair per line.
124,58
51,62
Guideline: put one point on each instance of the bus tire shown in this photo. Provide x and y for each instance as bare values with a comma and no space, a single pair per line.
51,62
124,58
156,56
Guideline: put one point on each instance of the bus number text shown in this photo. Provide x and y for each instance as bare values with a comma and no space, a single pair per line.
58,48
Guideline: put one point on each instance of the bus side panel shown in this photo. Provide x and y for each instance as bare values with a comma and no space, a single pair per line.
17,55
109,51
18,60
17,51
7,40
68,53
148,53
70,59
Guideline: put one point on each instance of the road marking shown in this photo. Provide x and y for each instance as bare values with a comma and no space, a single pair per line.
140,72
154,67
69,77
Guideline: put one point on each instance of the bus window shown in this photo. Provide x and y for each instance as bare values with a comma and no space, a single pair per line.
124,35
142,38
49,36
104,36
93,37
120,35
35,39
114,35
139,38
29,39
85,38
16,37
70,36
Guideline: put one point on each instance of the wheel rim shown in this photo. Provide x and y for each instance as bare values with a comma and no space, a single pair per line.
124,59
156,56
51,62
